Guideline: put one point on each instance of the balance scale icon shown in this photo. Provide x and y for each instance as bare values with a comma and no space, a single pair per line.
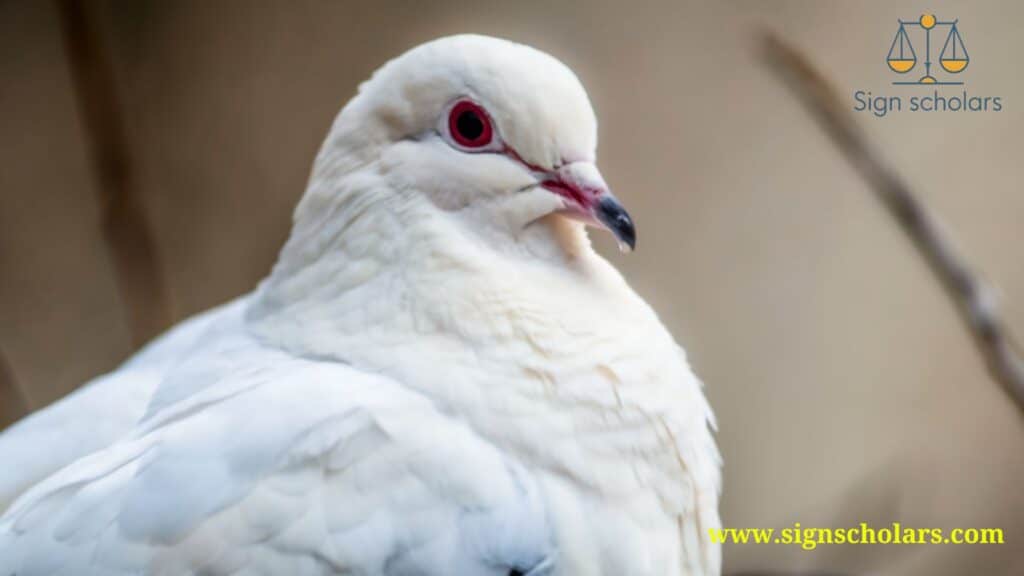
902,58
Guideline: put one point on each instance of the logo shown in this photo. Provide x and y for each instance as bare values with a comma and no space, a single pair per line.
953,58
910,56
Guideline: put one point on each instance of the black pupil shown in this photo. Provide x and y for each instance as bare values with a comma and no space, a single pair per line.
469,125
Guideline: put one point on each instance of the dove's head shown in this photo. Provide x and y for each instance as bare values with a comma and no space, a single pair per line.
493,134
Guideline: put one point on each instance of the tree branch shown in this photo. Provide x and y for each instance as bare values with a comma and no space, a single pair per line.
973,297
131,244
15,400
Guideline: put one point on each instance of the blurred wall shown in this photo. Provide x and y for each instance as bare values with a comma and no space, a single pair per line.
846,389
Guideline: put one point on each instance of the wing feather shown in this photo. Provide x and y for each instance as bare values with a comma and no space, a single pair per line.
307,468
99,412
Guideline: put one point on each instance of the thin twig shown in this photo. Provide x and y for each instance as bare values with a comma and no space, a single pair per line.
973,297
132,249
15,400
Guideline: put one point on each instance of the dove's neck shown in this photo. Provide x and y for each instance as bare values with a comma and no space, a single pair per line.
373,278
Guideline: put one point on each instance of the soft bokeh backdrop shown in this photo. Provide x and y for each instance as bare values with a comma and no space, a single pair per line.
845,387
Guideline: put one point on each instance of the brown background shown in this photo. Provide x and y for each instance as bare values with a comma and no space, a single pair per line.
845,387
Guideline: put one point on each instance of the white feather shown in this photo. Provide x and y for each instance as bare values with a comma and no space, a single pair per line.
96,414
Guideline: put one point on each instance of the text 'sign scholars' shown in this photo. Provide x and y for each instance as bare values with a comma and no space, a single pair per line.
880,105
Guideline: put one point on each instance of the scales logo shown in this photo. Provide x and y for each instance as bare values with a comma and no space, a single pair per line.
915,40
902,57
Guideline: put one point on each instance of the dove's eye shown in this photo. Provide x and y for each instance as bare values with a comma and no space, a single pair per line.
469,125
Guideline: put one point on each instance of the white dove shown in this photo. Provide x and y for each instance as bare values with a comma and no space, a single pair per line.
439,377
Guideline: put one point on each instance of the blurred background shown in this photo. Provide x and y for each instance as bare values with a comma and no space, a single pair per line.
846,388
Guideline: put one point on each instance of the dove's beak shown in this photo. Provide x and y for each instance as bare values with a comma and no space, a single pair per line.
588,198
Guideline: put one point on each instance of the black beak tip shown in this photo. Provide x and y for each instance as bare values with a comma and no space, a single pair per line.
617,220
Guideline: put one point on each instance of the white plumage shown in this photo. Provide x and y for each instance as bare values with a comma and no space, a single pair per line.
440,376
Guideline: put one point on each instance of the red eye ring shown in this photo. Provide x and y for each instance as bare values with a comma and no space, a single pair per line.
470,125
